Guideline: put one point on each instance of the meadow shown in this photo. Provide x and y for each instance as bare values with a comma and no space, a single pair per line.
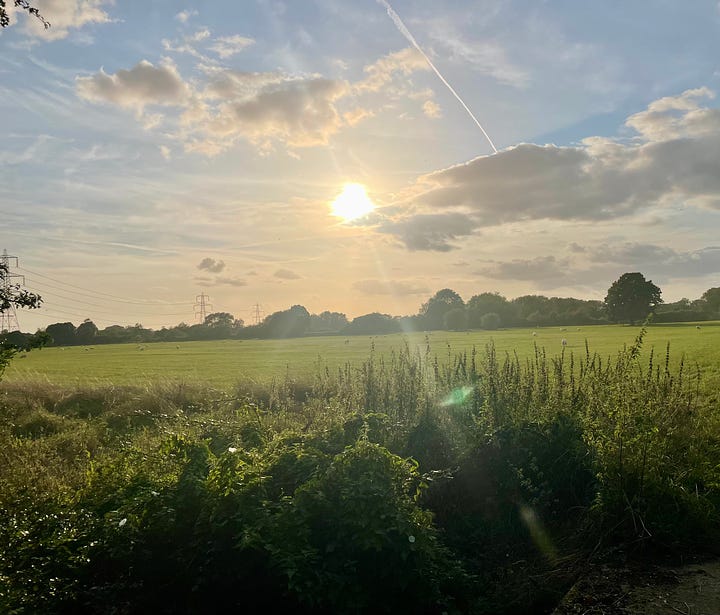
449,473
225,363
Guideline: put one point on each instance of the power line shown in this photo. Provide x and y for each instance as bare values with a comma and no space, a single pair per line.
97,292
105,307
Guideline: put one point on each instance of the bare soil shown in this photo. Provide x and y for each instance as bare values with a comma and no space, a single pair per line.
646,589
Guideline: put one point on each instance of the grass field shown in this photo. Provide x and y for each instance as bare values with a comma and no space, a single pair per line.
224,363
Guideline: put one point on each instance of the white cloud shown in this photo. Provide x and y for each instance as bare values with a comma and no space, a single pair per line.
227,46
380,73
431,109
63,15
183,16
142,85
675,117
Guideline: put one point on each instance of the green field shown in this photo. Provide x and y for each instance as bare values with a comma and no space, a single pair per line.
227,362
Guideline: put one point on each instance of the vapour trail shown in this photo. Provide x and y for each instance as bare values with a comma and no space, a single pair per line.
408,35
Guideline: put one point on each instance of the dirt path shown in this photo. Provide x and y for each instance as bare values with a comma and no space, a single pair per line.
692,589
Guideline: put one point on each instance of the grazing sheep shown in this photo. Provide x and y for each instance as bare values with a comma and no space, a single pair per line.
564,342
697,326
534,334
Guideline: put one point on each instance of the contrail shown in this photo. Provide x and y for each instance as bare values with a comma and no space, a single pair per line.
408,35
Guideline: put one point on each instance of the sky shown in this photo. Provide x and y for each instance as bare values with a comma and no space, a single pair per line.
151,152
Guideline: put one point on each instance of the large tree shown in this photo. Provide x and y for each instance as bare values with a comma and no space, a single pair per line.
488,303
631,298
434,309
711,298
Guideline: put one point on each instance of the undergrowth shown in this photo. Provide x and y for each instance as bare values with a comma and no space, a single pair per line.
472,485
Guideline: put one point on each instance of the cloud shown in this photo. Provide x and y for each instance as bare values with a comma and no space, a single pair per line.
675,117
601,263
63,15
263,108
675,159
210,264
540,268
429,231
486,57
431,109
142,85
388,287
229,281
378,74
661,260
357,115
300,112
183,16
228,46
286,274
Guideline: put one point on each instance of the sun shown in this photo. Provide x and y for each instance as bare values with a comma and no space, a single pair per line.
352,203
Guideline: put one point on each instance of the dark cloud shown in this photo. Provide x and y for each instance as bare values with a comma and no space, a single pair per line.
430,231
210,264
675,158
540,268
286,274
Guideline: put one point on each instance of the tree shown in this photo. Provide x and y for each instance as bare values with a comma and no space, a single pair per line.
12,296
86,332
711,298
434,309
328,321
372,324
485,303
23,4
455,319
288,323
631,298
220,319
61,333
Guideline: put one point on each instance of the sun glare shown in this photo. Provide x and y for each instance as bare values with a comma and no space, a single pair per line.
352,203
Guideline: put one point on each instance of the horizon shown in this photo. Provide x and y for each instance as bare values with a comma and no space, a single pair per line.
332,156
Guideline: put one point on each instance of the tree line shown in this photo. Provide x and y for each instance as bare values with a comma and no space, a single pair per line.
629,299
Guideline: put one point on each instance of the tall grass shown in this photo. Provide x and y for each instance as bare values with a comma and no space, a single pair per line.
486,461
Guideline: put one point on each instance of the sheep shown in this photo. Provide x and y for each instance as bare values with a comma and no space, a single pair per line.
534,334
697,326
564,342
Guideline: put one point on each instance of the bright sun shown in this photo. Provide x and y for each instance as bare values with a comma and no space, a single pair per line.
352,203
